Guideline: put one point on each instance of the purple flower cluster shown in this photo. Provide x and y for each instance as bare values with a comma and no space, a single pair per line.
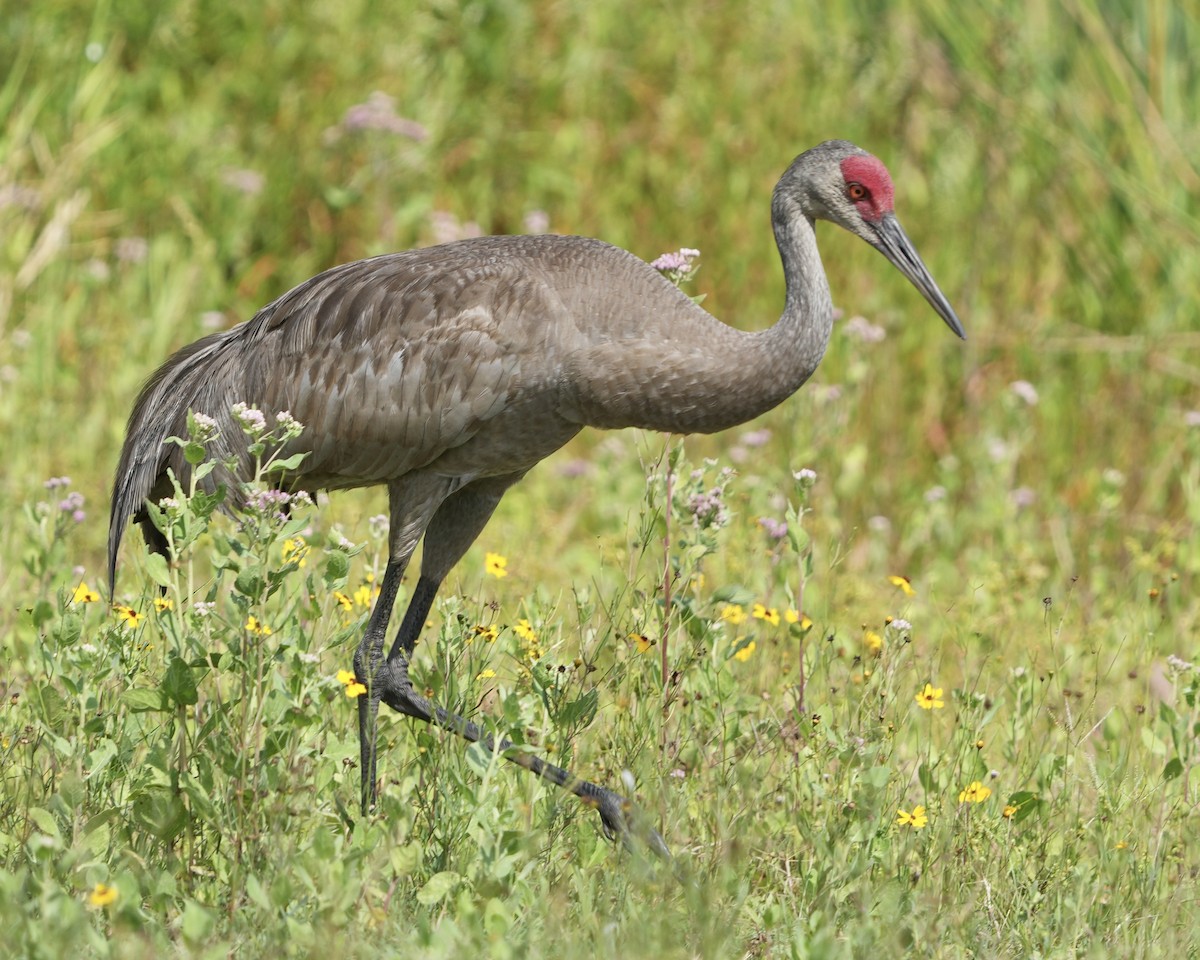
72,503
863,330
679,261
275,504
378,112
708,508
251,421
775,529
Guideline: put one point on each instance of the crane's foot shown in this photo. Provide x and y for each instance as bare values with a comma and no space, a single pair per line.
623,821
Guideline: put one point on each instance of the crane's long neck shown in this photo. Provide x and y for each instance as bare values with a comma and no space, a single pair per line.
678,369
787,353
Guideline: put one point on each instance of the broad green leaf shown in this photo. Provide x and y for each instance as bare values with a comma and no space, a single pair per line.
179,683
196,922
157,569
143,699
44,820
286,463
438,888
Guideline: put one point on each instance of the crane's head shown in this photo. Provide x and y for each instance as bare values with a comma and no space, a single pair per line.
842,183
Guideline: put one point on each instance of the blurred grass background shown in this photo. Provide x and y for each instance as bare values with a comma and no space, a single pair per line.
167,169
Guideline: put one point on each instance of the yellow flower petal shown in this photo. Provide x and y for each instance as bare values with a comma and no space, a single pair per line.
84,594
975,792
903,583
745,652
930,698
495,564
355,689
346,676
102,895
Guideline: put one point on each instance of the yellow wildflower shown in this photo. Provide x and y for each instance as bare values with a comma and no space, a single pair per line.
355,689
745,652
102,895
930,698
903,583
873,641
363,595
976,792
769,614
733,612
489,633
798,617
917,819
255,626
84,594
343,601
128,616
644,643
495,564
295,549
163,604
524,630
346,676
1009,810
485,674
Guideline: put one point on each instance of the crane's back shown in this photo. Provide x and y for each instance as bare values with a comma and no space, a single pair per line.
396,361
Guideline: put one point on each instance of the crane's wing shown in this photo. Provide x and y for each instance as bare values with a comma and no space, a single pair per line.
390,362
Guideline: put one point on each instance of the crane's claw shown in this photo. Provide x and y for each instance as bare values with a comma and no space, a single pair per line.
621,820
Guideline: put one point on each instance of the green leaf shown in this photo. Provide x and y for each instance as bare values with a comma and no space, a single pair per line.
734,593
255,891
438,888
157,569
196,922
249,584
1173,769
286,463
44,820
194,453
925,777
42,613
479,758
143,700
406,859
579,713
96,840
179,683
337,566
100,758
1027,804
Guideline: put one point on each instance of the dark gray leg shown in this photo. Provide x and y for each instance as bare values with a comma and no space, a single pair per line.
620,817
367,661
453,528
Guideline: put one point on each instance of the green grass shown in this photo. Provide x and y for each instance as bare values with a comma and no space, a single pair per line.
1045,166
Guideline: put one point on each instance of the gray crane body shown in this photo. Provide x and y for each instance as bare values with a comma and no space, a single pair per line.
448,372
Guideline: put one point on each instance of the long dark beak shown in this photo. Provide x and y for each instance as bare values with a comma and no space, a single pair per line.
895,245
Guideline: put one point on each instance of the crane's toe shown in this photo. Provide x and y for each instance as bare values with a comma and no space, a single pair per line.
623,821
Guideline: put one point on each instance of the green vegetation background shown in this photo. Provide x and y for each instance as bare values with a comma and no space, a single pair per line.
166,169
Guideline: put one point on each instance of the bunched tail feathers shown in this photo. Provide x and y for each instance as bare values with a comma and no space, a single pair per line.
190,380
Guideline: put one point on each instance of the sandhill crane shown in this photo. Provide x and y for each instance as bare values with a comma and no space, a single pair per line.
446,373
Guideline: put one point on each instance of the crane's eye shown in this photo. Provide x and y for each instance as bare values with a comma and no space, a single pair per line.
856,192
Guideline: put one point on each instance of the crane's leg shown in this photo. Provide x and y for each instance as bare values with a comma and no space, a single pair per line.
413,503
453,528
